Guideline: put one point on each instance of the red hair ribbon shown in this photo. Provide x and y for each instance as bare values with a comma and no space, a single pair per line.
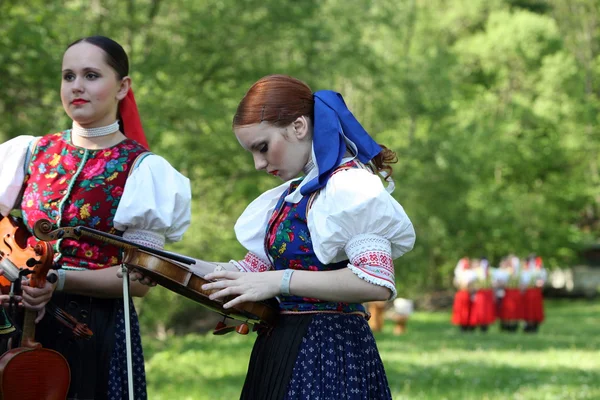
131,120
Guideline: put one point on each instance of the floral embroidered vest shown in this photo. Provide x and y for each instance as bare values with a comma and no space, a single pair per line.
72,186
289,245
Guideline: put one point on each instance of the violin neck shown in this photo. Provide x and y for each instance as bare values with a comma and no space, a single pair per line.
44,232
28,338
125,244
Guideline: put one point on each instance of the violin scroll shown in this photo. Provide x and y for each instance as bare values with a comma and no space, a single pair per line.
44,230
41,264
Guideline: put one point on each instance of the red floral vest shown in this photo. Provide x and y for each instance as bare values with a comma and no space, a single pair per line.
72,186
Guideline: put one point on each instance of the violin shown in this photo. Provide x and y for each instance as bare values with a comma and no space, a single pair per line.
171,271
14,251
15,259
184,281
31,372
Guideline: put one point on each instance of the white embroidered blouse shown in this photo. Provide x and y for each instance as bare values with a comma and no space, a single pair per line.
353,218
154,207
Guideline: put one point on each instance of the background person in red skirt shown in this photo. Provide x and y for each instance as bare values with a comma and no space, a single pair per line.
464,279
483,308
510,309
533,278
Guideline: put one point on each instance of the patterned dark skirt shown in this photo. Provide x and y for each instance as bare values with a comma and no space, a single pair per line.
316,356
98,365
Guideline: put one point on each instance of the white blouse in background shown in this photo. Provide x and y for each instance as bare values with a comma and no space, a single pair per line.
154,207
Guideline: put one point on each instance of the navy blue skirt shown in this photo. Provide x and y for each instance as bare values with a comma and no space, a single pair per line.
98,365
316,356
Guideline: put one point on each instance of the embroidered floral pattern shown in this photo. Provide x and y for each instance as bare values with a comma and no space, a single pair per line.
379,263
91,200
251,263
289,245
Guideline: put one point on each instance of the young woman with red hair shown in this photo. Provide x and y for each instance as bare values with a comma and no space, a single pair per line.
323,243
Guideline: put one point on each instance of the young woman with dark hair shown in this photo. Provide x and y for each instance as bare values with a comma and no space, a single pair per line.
98,174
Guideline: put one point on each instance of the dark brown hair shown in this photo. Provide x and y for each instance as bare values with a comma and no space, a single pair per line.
279,100
116,56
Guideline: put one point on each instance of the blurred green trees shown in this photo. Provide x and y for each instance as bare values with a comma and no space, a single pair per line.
492,106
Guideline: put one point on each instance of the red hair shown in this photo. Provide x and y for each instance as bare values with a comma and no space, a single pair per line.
279,100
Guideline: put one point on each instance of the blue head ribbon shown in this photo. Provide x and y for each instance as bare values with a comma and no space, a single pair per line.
333,120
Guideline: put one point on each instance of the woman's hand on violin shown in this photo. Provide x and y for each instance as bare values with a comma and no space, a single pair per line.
244,286
37,298
5,298
135,275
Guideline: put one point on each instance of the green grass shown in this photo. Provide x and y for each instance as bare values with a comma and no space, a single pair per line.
431,361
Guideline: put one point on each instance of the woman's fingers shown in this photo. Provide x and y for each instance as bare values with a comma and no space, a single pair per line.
36,298
222,275
147,281
219,284
229,290
135,275
5,299
236,301
40,315
243,286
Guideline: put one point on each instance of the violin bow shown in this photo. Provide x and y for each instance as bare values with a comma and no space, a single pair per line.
126,310
43,230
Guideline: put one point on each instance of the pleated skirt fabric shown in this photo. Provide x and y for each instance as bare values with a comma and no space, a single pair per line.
483,311
533,305
317,357
511,308
99,364
461,308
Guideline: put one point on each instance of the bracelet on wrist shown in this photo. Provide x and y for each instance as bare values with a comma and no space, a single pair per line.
62,276
284,286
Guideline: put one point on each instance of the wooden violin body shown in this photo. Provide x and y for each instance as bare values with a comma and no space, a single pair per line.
14,250
15,256
169,270
30,372
181,279
33,374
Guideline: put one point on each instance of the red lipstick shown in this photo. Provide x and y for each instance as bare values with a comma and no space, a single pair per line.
79,102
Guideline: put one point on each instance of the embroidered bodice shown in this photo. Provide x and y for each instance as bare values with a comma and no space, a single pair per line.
73,186
288,244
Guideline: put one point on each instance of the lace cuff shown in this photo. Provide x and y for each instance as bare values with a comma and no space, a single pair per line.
371,260
251,263
145,238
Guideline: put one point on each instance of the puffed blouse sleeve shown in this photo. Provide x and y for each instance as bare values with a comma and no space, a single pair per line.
14,156
250,230
355,218
156,204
